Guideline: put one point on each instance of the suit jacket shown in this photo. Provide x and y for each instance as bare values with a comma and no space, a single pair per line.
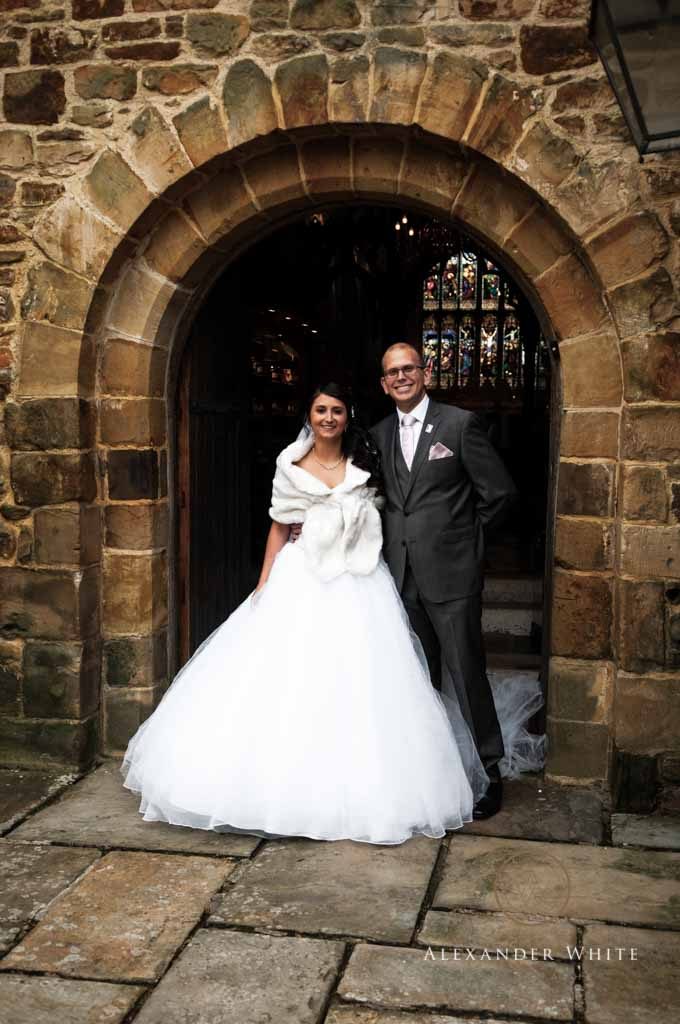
440,517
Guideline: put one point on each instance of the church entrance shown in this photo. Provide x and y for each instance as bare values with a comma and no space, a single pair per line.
320,299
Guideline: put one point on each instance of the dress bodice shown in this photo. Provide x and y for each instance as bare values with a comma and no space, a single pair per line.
341,531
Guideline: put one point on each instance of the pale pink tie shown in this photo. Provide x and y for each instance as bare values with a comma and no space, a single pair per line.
407,424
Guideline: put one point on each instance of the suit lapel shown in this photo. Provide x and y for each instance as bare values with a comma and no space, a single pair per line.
433,416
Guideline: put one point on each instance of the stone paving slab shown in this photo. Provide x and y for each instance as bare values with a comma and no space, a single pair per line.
400,978
99,811
224,977
634,991
21,791
27,999
341,1013
337,888
560,880
124,919
646,830
31,876
535,809
443,928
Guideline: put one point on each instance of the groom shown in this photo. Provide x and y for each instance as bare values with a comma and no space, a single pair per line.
445,486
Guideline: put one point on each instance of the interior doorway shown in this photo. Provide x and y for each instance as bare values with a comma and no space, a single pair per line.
320,299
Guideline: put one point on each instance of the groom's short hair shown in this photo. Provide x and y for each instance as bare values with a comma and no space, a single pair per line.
399,344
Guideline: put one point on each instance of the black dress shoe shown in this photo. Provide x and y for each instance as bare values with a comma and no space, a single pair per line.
490,803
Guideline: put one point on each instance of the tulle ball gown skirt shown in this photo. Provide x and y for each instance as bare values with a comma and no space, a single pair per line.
307,712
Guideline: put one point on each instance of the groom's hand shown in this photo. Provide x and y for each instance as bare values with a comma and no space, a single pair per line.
295,531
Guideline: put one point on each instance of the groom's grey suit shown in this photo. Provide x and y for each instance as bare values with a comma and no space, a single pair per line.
434,521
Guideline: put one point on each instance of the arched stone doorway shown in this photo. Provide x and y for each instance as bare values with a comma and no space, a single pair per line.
319,299
148,275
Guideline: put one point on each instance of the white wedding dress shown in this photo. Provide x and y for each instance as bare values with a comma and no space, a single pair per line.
310,710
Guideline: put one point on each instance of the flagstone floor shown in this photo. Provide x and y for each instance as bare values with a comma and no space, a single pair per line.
552,910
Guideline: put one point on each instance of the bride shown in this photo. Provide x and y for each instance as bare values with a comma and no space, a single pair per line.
310,710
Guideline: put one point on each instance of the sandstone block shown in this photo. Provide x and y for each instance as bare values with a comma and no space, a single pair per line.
275,177
376,164
114,188
74,237
629,247
322,14
582,616
326,166
10,677
221,207
585,489
140,304
128,422
348,90
132,474
644,493
122,31
549,49
156,50
302,85
48,604
201,131
68,536
69,355
156,152
136,661
651,433
16,150
268,14
61,46
135,598
572,298
493,9
544,159
59,297
644,304
536,243
86,9
640,625
124,712
42,478
174,247
248,102
429,175
647,712
580,691
41,743
61,680
449,94
501,119
34,97
42,423
578,750
219,34
651,367
591,371
108,82
397,77
583,544
497,202
132,368
651,551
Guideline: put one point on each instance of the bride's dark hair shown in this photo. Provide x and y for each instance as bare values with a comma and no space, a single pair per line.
356,441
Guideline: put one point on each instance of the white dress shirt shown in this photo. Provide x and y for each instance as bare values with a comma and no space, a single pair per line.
420,412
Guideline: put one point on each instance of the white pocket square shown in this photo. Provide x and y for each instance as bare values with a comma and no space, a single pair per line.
439,451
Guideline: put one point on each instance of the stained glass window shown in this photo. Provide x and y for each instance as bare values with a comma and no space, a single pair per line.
472,326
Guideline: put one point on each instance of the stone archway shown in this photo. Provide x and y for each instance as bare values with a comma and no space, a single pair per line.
132,256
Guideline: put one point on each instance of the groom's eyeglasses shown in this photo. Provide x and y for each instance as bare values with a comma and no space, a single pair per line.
407,370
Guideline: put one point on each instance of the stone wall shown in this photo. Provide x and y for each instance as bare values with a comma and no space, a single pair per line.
143,141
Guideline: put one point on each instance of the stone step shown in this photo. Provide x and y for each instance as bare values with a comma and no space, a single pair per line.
511,588
512,661
510,618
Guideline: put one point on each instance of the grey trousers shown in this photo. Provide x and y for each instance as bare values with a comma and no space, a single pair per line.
453,629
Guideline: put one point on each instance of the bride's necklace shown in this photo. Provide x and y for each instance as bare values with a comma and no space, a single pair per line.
334,466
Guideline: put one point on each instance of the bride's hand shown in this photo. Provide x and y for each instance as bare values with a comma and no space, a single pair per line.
295,531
